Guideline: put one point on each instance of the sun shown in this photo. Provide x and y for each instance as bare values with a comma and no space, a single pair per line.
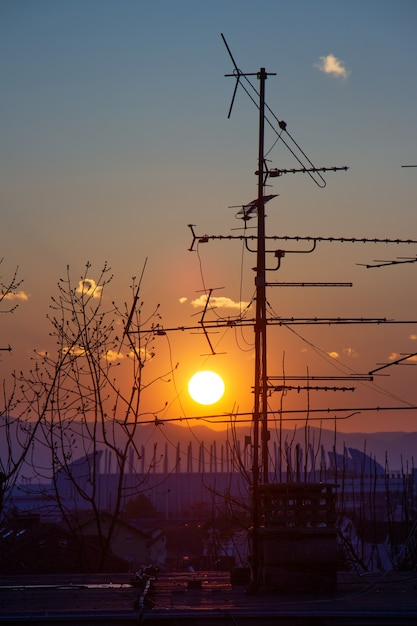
206,387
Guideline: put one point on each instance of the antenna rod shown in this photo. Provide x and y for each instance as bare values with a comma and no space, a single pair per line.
261,281
260,415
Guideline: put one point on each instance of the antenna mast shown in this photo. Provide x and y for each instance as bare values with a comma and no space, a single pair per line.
260,473
260,412
261,382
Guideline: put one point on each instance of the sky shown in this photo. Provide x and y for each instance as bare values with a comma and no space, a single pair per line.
115,136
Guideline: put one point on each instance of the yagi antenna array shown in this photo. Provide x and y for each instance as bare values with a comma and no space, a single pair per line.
279,127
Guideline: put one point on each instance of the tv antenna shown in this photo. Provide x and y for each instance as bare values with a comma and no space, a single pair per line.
264,385
260,411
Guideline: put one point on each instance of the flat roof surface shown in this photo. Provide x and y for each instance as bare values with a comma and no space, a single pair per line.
377,598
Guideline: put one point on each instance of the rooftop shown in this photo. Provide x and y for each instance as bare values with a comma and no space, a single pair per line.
388,598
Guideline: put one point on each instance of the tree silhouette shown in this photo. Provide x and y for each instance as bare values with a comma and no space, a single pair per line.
86,396
16,434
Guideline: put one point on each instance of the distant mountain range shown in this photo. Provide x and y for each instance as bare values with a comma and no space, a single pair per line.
398,449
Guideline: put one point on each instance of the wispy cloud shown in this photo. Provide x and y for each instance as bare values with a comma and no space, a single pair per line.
219,302
89,287
394,356
113,355
79,351
351,353
333,66
142,353
74,350
16,295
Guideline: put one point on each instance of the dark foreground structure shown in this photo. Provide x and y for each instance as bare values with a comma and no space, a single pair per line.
206,598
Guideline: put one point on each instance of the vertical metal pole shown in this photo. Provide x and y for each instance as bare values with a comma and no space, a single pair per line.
260,408
261,348
261,283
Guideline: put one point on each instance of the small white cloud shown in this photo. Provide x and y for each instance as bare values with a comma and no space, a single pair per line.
350,352
16,295
112,355
142,353
219,303
182,300
333,66
74,350
394,356
89,287
79,351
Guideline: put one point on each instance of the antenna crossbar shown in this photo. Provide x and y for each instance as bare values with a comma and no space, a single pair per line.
299,388
309,284
398,261
311,238
291,321
275,172
343,239
366,377
160,330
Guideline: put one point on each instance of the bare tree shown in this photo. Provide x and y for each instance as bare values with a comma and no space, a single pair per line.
9,290
9,293
87,396
16,434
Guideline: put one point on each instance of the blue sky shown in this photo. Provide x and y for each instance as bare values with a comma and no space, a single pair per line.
114,136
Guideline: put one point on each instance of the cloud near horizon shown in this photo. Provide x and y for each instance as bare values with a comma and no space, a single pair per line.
394,356
74,350
89,286
112,355
217,302
16,295
349,352
333,66
78,351
142,353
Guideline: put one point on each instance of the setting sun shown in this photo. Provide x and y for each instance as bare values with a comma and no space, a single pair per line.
206,387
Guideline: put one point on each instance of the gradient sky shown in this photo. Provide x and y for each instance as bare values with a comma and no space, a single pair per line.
114,137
